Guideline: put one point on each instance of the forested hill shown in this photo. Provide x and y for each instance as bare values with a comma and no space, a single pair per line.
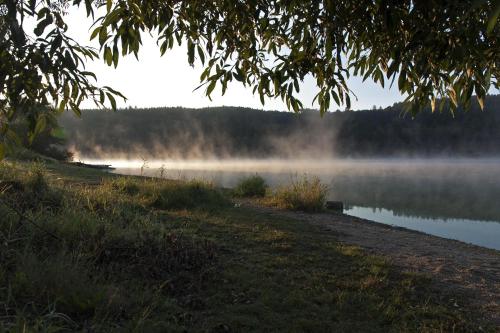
229,132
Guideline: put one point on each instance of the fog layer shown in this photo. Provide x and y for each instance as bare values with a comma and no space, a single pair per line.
236,133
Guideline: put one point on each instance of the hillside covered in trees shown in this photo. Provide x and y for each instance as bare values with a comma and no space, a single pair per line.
231,132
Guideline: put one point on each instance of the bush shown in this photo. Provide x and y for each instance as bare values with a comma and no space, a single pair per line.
302,194
254,186
192,194
125,185
36,181
29,190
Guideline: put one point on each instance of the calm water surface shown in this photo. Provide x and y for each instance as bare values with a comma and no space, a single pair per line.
451,198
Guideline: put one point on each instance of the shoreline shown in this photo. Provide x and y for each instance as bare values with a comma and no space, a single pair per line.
467,269
247,267
470,270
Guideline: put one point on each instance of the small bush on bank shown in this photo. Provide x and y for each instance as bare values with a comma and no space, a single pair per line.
254,186
186,195
306,194
125,185
36,180
28,190
160,194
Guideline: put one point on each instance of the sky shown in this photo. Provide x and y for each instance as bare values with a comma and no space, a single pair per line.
168,80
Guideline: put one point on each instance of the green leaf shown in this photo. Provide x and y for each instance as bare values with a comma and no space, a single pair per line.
328,47
115,56
95,33
480,100
201,54
89,74
62,106
88,7
76,111
238,76
190,52
112,101
453,97
164,47
402,80
335,97
103,35
108,56
296,85
295,105
211,87
56,43
40,125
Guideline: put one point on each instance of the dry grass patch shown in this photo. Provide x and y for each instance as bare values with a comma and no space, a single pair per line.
306,194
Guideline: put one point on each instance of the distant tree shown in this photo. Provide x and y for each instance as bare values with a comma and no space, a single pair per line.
434,48
49,142
250,133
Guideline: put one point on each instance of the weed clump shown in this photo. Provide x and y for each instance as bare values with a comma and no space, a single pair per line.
30,190
186,195
36,180
306,194
125,185
254,186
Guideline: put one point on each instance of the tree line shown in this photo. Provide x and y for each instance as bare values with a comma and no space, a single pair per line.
235,132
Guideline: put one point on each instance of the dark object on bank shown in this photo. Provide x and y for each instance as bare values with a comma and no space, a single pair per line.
93,166
337,206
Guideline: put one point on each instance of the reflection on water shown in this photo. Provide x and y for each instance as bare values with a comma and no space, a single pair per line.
453,198
481,233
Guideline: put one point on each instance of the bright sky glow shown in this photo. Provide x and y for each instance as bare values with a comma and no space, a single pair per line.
156,81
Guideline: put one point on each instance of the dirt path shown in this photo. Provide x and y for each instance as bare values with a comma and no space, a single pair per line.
467,269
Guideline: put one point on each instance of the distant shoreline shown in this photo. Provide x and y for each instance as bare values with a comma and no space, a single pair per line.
283,163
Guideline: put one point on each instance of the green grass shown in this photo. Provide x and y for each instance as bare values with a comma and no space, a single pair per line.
137,254
306,194
253,186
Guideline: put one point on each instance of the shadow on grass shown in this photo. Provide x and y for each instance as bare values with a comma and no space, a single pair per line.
158,255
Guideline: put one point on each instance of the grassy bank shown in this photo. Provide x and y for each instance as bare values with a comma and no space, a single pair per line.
85,250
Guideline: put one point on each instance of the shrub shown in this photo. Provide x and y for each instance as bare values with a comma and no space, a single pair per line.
254,186
192,194
29,190
125,185
302,194
36,178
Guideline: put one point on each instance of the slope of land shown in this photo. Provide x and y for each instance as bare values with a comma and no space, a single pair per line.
467,270
85,250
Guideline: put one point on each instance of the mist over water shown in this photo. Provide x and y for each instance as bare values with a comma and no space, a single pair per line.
434,172
452,198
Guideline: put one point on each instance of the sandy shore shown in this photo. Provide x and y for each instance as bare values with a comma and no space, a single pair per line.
461,268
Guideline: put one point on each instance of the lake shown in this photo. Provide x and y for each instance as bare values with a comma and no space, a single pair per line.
452,198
